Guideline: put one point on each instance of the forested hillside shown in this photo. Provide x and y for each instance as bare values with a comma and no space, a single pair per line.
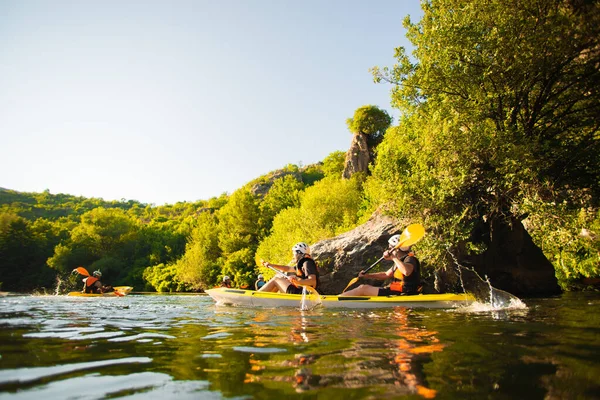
500,128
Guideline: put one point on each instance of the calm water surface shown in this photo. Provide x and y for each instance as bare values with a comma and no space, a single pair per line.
185,347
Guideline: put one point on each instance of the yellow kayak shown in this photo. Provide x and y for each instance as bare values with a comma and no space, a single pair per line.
266,299
120,291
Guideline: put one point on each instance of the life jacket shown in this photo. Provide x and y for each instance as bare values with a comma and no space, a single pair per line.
90,280
410,283
300,272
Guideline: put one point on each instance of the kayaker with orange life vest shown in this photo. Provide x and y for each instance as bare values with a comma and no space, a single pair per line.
406,274
92,284
305,273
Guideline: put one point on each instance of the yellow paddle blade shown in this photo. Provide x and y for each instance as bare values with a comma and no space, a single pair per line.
352,282
82,271
411,235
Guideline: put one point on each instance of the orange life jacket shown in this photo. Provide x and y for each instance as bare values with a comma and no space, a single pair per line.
90,280
399,278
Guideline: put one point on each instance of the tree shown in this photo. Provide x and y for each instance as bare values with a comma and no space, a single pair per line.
501,107
370,121
238,222
199,267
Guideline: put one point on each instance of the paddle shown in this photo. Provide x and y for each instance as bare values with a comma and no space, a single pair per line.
82,271
411,235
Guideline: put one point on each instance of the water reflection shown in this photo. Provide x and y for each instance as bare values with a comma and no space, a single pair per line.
169,346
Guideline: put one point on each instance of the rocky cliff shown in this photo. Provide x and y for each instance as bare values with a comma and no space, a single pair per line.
512,262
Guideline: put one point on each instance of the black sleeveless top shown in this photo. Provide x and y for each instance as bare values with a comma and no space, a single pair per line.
412,281
305,267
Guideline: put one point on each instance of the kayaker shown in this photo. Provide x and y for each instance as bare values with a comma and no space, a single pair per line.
92,284
226,282
406,274
305,273
260,282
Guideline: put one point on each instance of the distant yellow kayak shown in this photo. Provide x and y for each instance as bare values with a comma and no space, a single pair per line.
266,299
120,291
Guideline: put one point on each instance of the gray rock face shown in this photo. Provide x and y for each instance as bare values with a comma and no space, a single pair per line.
357,157
512,263
341,258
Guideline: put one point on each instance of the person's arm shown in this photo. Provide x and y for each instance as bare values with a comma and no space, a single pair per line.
310,281
404,267
282,268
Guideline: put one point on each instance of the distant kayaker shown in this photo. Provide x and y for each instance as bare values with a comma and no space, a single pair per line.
260,282
406,274
92,284
306,273
226,282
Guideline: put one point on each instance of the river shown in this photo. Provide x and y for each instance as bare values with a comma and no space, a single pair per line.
186,347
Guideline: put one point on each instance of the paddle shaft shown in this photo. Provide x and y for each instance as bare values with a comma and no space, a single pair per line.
374,264
308,287
279,273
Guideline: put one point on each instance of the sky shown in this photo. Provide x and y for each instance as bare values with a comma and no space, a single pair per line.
171,101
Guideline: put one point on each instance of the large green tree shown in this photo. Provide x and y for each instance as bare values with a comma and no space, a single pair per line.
501,103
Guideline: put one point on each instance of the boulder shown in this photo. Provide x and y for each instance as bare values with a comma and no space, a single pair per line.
357,157
341,258
512,262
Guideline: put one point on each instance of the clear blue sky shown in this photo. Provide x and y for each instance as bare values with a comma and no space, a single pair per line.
167,101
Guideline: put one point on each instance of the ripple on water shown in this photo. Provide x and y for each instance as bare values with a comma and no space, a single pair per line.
21,375
265,350
149,385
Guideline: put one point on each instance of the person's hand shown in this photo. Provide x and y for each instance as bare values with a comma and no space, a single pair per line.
264,263
390,254
361,274
293,279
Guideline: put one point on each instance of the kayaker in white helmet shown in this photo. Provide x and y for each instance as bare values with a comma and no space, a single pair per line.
406,273
92,284
305,273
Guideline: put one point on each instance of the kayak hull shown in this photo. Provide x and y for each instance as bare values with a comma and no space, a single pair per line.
226,296
120,291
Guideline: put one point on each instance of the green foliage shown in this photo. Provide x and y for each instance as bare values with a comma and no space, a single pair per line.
284,193
238,222
240,268
569,237
311,174
500,108
328,208
333,164
23,253
371,121
163,278
200,266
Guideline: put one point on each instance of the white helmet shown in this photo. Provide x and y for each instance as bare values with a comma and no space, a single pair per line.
394,240
260,276
97,273
301,248
226,278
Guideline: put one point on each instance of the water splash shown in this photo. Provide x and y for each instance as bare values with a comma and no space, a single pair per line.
309,301
58,283
488,297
